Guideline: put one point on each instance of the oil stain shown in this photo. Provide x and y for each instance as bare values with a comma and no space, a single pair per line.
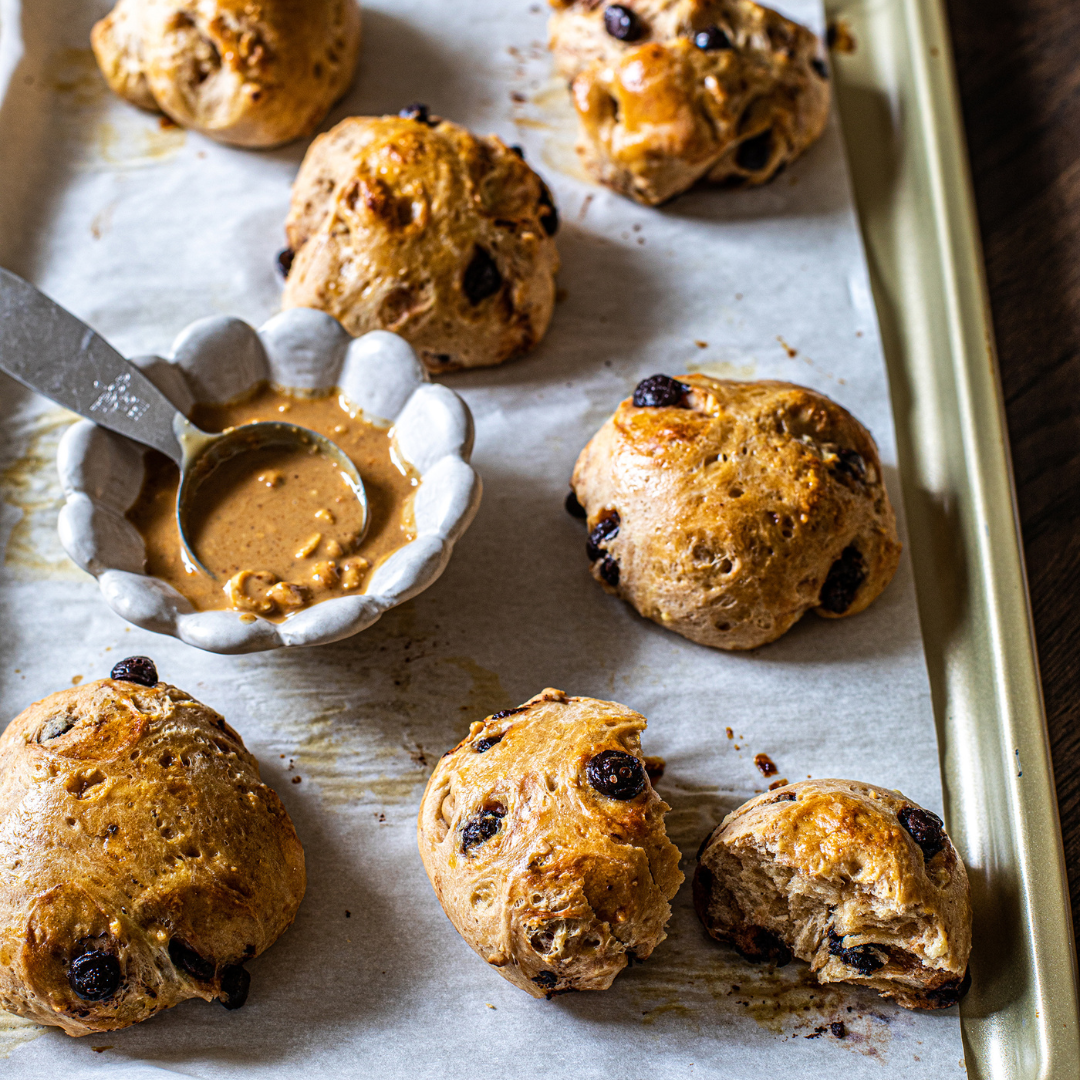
486,695
381,750
16,1031
132,138
708,985
31,485
128,146
549,111
721,369
75,73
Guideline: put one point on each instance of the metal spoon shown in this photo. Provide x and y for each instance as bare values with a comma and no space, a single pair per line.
58,356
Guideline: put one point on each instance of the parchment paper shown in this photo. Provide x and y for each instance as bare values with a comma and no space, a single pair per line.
140,229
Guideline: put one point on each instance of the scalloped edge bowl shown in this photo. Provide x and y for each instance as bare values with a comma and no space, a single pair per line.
216,360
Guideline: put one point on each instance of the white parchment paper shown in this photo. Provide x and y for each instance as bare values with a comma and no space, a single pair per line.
140,229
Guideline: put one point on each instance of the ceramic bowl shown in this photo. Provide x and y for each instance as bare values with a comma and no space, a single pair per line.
216,360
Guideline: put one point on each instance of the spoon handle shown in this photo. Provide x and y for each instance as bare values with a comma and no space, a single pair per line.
57,355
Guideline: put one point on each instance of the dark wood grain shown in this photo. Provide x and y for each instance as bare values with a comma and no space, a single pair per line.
1018,63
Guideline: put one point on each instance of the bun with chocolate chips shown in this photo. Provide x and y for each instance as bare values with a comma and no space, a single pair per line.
670,92
412,224
859,881
545,842
142,861
725,510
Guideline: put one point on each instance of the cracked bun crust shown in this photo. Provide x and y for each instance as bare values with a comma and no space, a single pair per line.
724,510
670,92
857,880
247,72
142,861
412,224
545,843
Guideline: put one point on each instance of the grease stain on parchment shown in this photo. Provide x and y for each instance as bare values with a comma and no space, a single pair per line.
548,110
708,982
129,138
31,485
722,369
383,749
16,1031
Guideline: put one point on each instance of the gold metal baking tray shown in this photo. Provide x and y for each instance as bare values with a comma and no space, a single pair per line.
902,124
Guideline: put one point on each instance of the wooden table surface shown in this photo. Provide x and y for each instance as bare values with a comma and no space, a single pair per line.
1018,63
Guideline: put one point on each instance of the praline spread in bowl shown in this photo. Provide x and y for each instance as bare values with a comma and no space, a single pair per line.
411,440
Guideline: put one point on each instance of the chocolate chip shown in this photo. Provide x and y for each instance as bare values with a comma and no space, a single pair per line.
845,578
549,219
711,39
136,669
482,828
753,154
616,774
481,745
757,943
863,958
94,975
519,151
951,993
417,111
609,571
235,984
621,23
819,66
926,829
502,713
838,1030
605,529
546,979
482,278
850,463
285,260
659,391
54,727
187,959
573,507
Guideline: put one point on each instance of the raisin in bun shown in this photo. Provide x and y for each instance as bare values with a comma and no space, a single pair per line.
545,843
670,92
246,72
142,861
724,510
412,224
857,880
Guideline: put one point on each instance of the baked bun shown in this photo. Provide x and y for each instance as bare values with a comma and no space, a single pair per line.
246,72
670,92
412,224
857,880
724,510
545,843
142,861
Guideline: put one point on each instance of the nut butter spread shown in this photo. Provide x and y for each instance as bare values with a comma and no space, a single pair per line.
280,529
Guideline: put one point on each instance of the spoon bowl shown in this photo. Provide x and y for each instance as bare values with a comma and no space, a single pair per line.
49,350
204,452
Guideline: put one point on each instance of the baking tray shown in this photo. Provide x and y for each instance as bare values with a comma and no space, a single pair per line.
898,102
898,99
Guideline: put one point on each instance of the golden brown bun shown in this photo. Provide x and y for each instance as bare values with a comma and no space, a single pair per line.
393,221
738,510
248,72
657,113
828,870
569,883
142,832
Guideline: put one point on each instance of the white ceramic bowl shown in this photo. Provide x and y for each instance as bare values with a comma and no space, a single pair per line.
217,359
